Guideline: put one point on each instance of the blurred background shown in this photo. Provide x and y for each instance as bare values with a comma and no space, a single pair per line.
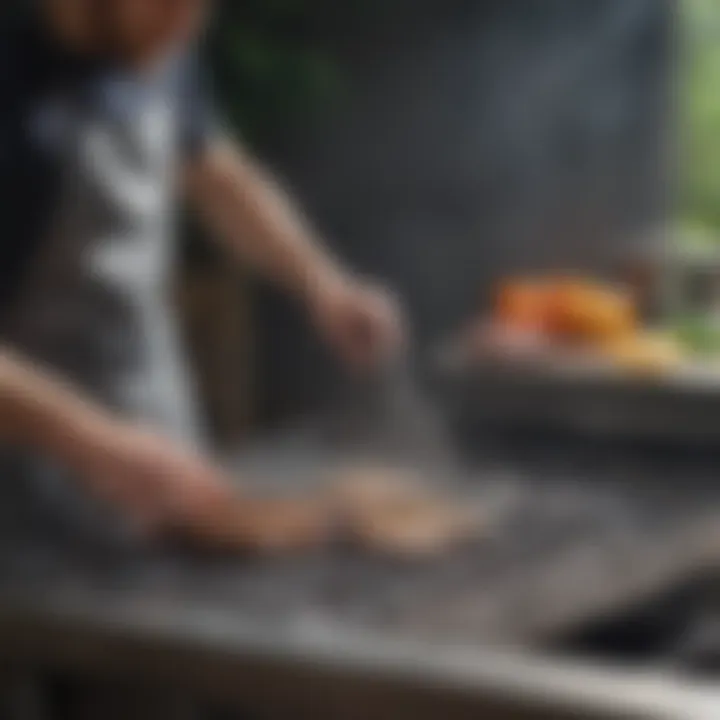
503,164
441,145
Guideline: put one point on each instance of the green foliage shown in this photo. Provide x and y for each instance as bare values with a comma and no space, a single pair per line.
268,69
699,334
699,99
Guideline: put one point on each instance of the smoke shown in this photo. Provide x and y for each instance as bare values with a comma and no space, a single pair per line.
476,139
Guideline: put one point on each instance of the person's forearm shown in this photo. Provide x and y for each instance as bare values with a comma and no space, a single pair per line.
39,411
246,208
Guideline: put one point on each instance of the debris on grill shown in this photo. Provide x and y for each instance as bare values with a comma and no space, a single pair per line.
363,488
394,512
378,509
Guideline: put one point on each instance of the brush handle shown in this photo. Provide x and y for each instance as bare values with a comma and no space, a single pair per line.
384,413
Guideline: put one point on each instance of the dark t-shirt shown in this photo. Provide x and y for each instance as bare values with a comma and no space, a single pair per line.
34,73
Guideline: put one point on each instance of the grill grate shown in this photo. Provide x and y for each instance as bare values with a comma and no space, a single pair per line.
575,531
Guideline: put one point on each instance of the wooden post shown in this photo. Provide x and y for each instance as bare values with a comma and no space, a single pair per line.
215,305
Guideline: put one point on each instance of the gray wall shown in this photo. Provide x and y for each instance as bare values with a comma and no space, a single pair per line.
476,138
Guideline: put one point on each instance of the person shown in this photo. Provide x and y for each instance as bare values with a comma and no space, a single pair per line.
105,122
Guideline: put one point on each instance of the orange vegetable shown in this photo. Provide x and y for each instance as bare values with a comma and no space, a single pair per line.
590,312
523,304
567,309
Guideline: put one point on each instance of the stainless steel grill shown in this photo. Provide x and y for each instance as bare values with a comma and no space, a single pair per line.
575,531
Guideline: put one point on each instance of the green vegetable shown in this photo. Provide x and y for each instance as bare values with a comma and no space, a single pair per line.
700,335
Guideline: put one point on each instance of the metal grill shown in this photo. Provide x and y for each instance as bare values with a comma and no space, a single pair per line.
574,532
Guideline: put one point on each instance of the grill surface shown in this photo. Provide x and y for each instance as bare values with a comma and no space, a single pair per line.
576,530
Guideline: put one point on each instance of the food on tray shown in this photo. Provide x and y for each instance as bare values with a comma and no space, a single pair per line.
498,341
584,311
522,305
576,322
394,513
566,309
646,353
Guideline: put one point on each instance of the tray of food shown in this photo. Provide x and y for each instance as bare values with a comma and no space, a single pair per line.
577,351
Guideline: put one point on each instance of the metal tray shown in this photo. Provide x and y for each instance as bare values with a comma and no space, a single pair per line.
684,407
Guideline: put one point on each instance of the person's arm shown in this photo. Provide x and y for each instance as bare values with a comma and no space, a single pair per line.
157,485
151,480
246,209
250,214
41,412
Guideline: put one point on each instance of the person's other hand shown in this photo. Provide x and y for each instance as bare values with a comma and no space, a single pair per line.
156,484
361,322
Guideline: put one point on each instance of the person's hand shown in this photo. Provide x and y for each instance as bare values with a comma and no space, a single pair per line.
363,323
156,484
261,524
161,488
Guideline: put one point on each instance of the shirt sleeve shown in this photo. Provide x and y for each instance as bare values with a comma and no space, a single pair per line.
197,119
